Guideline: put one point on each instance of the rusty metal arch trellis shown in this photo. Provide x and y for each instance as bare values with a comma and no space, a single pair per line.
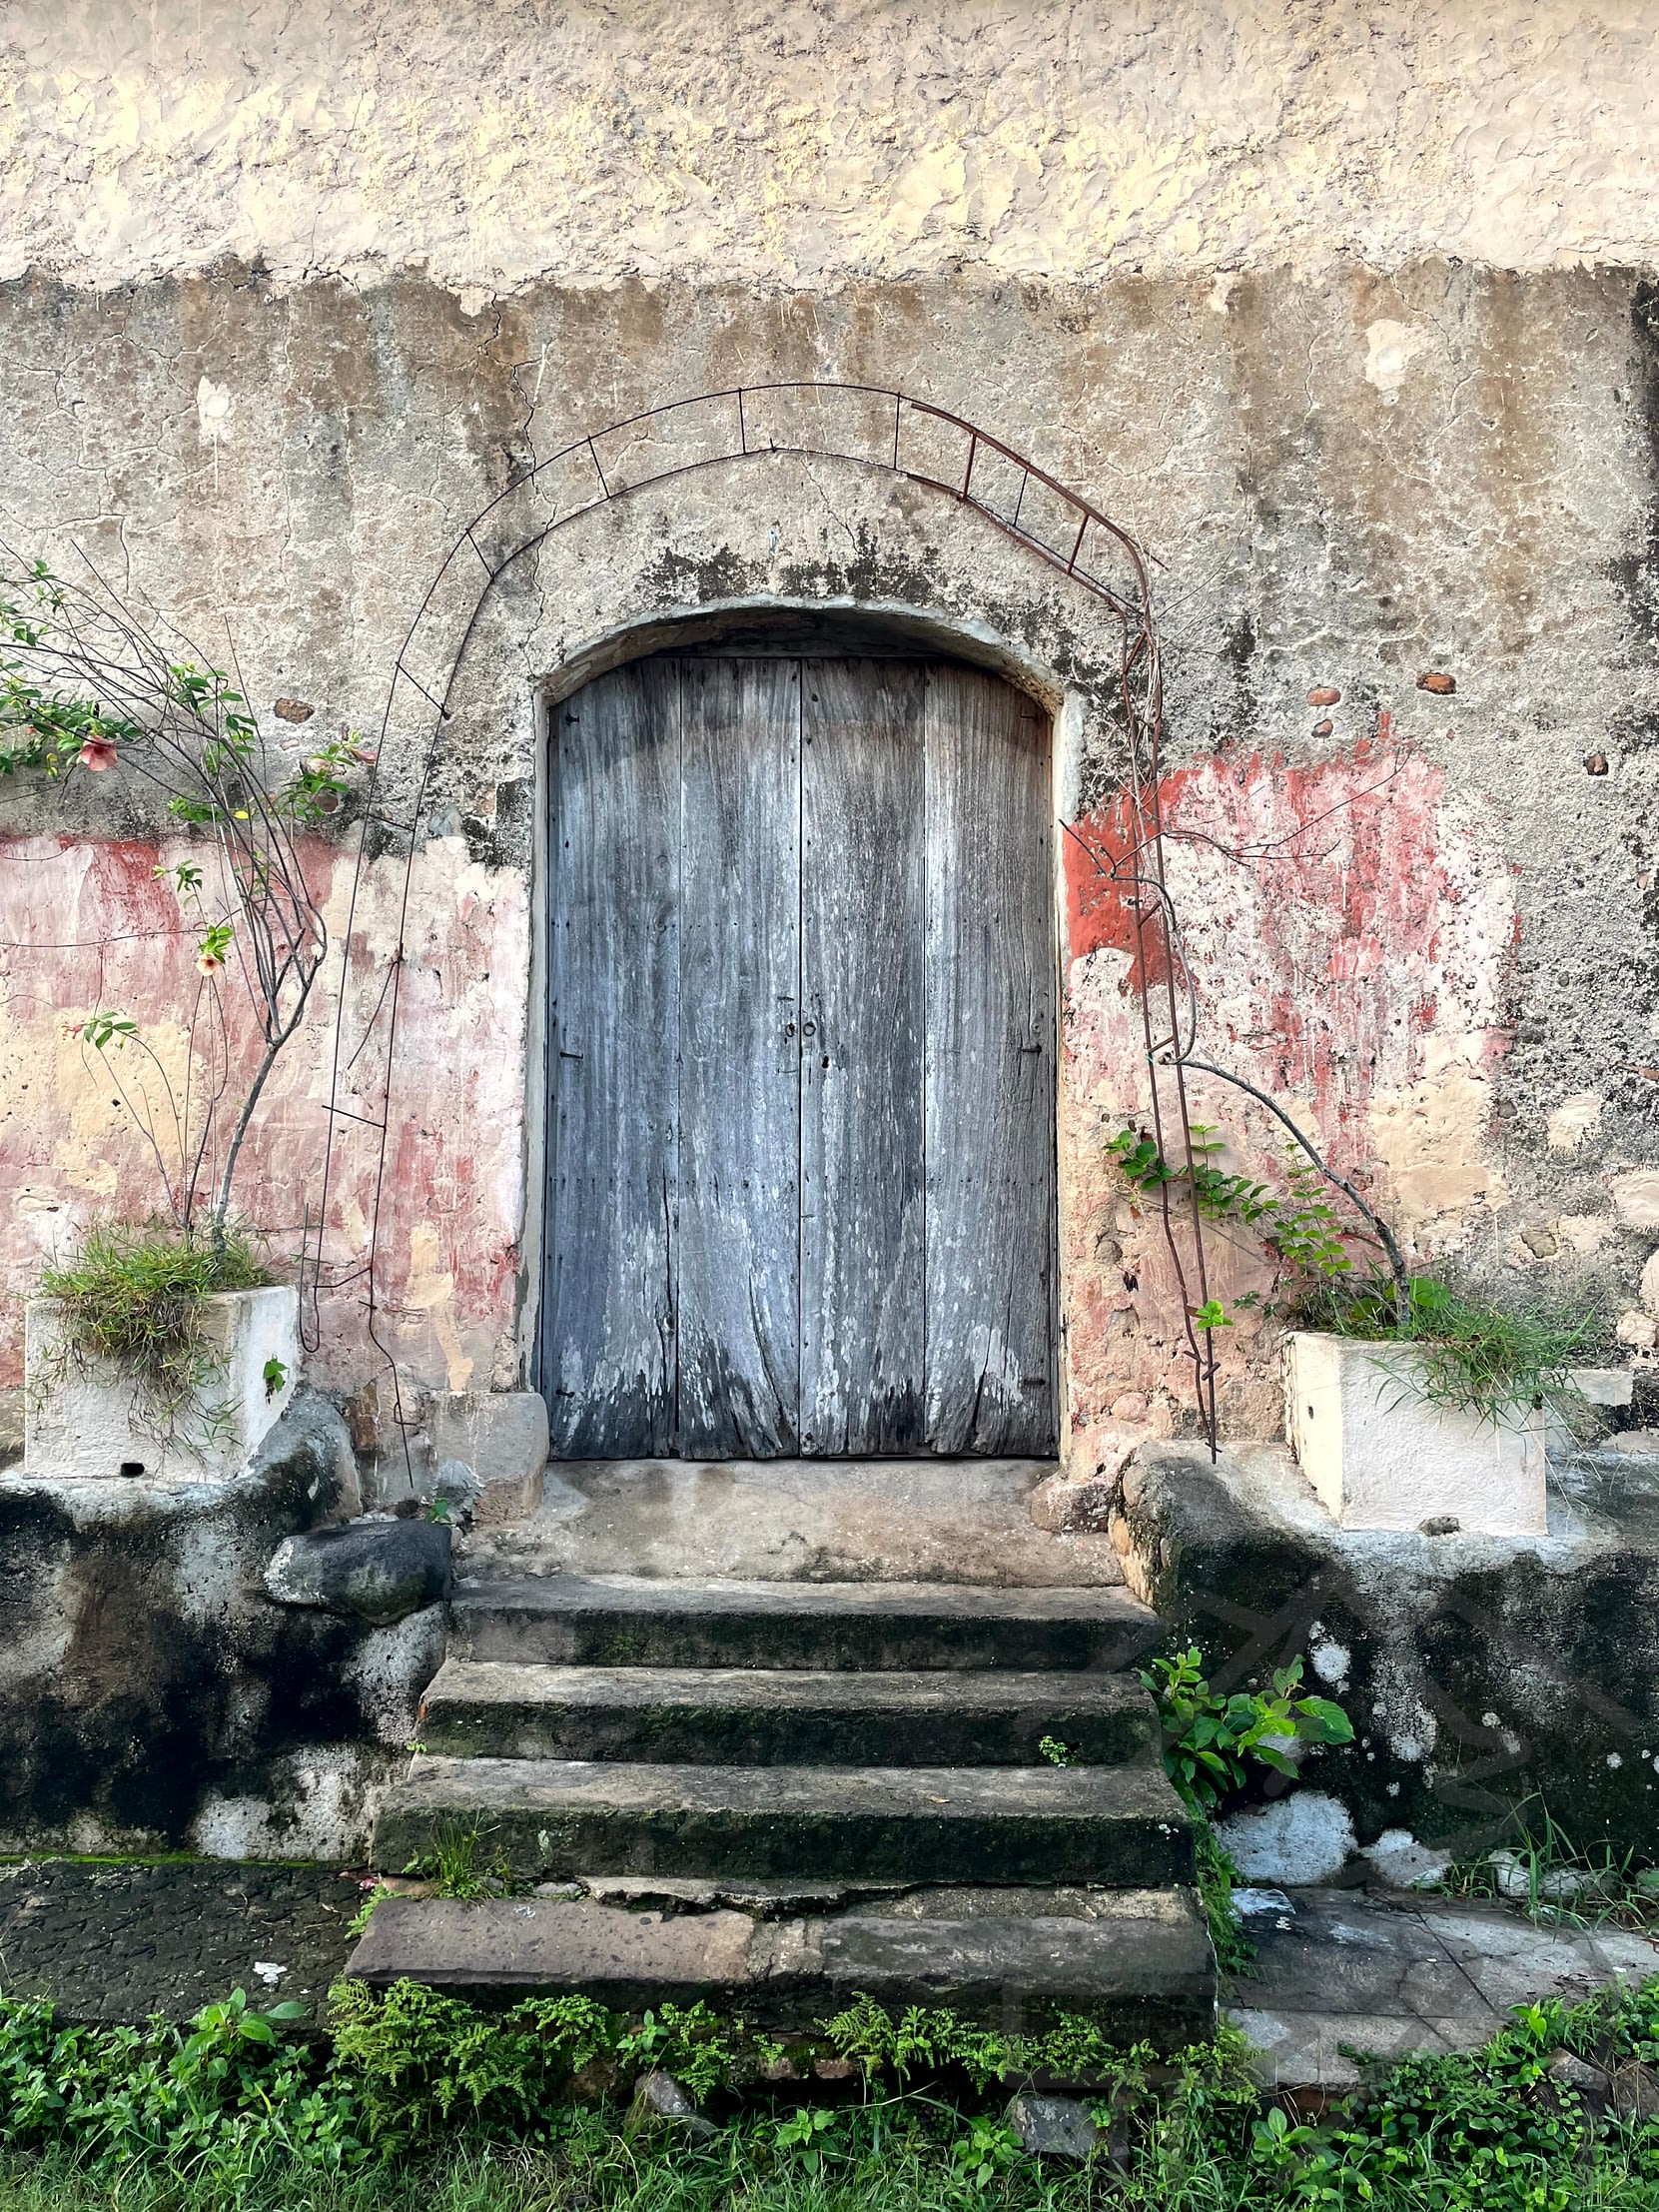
876,427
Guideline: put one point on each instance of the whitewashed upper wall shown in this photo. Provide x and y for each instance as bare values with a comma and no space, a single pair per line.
788,143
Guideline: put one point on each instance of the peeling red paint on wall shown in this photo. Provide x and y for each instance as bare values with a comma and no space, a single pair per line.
87,926
1337,877
1345,927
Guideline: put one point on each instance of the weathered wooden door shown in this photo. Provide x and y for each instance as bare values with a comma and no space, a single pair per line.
800,1134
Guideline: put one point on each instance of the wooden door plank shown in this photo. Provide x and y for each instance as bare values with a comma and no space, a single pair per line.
739,1244
861,1060
608,1350
990,1082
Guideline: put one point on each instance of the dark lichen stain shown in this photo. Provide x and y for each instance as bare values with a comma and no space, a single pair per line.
159,1703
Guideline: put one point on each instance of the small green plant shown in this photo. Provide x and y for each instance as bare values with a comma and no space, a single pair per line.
456,1867
809,2138
1216,1876
218,2032
1556,1880
134,1296
985,2152
223,2105
1056,1753
688,2041
274,1375
371,1896
1212,1741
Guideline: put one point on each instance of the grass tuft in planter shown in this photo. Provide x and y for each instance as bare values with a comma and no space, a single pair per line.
134,1296
1468,1357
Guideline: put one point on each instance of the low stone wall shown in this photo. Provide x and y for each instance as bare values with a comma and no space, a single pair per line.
1479,1672
157,1697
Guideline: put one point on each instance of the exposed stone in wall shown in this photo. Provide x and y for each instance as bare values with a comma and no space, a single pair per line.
493,142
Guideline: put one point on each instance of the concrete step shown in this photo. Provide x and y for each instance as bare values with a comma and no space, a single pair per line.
635,1620
727,1717
1119,1826
884,1520
1138,1962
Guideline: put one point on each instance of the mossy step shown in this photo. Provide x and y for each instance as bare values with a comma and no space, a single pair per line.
1119,1826
767,1717
634,1621
1139,1965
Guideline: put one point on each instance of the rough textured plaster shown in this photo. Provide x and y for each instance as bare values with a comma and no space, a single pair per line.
1346,939
1490,517
72,1147
493,142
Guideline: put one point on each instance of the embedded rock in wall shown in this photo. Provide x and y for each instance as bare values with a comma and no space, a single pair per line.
376,1570
499,1439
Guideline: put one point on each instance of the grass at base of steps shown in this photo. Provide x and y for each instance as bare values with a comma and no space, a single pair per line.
596,2170
1513,2128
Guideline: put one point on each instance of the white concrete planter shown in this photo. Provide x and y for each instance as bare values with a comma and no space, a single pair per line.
80,1422
1379,1457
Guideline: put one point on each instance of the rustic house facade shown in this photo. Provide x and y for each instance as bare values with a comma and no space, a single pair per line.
921,593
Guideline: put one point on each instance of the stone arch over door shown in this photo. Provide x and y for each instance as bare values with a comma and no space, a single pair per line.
800,1151
540,593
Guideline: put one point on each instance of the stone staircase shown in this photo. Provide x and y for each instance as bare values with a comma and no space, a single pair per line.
778,1794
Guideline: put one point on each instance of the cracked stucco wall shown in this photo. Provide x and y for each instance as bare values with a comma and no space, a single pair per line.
1344,316
494,141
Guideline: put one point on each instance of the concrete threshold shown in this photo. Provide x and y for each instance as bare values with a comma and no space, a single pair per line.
867,1520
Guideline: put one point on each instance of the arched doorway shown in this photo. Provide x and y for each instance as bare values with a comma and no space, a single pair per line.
800,1154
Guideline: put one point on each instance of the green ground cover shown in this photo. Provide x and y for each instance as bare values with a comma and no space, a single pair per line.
435,2107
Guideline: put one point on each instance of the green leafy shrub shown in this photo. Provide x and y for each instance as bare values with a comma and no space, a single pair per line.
134,1296
229,2101
1306,1234
1469,1356
426,2064
218,2116
1212,1742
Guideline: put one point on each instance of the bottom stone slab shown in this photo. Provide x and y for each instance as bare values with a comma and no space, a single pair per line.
1140,1968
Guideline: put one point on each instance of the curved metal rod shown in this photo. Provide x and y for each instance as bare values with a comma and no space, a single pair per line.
1139,668
1384,1235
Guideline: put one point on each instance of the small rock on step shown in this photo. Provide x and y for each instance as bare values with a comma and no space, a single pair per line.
1052,2127
658,2097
